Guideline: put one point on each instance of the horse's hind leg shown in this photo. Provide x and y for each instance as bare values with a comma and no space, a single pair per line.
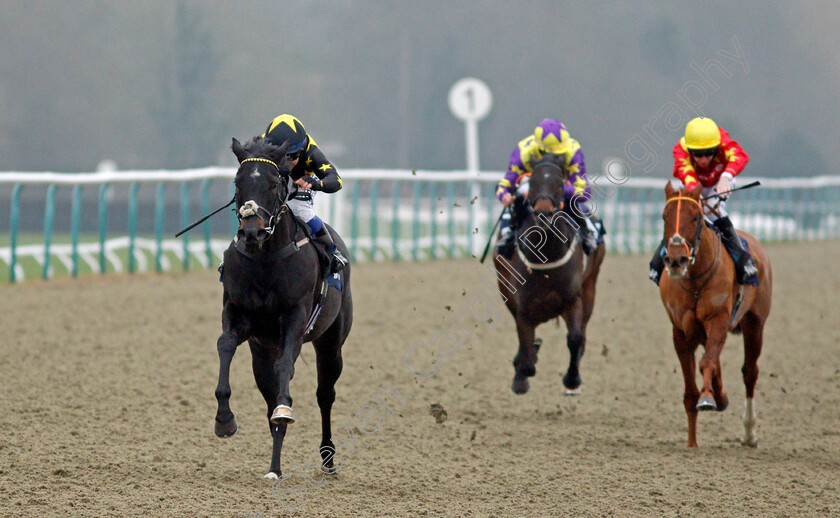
576,341
525,362
685,352
330,364
262,361
753,329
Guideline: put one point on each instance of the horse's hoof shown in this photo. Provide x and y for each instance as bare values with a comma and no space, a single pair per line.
706,403
752,442
282,415
571,382
721,407
572,392
271,475
520,384
327,455
225,430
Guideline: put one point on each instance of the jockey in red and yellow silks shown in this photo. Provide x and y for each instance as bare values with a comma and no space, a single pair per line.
708,156
550,136
729,159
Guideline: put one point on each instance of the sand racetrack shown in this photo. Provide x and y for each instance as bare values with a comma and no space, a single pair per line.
107,405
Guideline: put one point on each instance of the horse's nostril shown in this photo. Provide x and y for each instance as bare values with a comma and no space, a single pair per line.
683,260
262,234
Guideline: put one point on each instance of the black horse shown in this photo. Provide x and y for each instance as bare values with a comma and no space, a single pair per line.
273,283
549,274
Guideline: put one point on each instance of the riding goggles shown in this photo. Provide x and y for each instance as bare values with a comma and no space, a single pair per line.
703,153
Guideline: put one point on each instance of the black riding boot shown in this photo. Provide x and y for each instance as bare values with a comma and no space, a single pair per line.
745,268
589,235
339,261
505,243
657,264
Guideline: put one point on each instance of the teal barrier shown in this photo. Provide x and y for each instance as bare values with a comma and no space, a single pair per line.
132,226
160,197
14,214
49,217
103,225
382,215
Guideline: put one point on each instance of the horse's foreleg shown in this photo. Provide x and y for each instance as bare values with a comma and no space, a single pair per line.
226,345
685,352
576,341
753,329
588,288
525,362
284,366
262,361
713,396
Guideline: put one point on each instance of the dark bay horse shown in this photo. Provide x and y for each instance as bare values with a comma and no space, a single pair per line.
549,276
700,294
272,280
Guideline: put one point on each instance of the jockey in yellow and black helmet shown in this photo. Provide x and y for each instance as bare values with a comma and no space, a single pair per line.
311,172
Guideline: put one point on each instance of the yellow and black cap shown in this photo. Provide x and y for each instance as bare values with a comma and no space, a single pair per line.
287,128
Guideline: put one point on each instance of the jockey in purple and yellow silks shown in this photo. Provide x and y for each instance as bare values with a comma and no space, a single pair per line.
551,136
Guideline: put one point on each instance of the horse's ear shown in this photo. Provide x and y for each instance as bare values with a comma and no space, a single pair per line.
696,191
278,153
669,190
238,150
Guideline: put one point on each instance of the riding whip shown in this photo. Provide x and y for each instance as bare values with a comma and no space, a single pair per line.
490,239
752,184
206,217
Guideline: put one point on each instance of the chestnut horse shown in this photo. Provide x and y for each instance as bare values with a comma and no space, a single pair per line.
704,303
549,276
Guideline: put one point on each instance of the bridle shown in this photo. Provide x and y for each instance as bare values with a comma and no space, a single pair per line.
677,239
269,218
532,200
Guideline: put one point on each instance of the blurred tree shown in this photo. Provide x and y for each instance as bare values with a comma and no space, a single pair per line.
185,119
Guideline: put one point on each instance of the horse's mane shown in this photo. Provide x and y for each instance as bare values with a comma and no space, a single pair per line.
259,147
547,158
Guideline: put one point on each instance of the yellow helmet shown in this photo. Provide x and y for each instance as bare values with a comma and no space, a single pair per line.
701,133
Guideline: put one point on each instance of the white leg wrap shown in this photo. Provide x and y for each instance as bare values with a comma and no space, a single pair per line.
282,414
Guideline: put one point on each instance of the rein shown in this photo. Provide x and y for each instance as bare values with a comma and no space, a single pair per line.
251,208
677,239
533,200
692,250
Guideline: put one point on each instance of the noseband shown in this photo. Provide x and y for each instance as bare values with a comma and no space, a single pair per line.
677,239
252,208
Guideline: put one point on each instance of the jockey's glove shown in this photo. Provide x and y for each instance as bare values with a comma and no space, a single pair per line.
316,183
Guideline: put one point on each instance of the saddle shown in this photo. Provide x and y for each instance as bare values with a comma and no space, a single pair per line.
324,255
